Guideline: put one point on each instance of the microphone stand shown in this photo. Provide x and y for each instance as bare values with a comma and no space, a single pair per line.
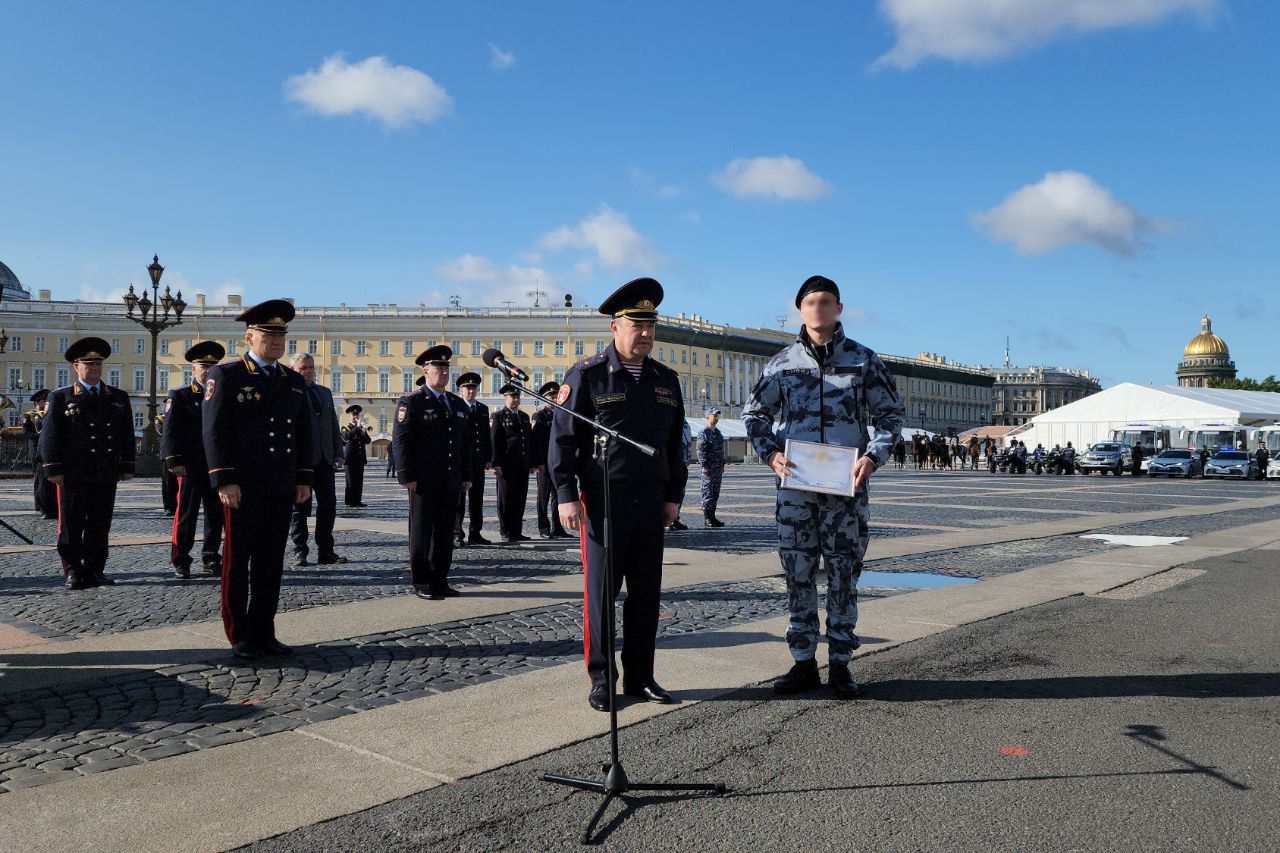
615,783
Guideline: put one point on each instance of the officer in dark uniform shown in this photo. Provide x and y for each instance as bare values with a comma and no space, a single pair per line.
86,448
468,385
168,481
1139,453
512,459
712,460
548,527
45,493
257,439
432,444
355,437
182,447
630,392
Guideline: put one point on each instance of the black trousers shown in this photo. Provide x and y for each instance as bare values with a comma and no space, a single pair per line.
253,546
513,494
471,501
44,492
194,492
432,513
168,491
547,504
84,523
637,559
355,485
324,497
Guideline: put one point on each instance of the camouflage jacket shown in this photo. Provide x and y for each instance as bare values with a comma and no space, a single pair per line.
832,401
711,448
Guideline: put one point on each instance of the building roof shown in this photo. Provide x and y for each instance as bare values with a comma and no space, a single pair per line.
1166,404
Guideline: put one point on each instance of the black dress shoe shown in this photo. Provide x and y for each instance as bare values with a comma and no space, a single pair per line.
100,579
842,682
459,541
300,560
77,581
802,676
649,691
598,698
213,566
182,572
449,592
331,560
677,526
275,647
712,521
544,534
244,650
427,592
522,538
561,534
477,539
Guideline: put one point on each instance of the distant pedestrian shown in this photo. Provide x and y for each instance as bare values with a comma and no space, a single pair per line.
712,461
686,449
354,457
325,461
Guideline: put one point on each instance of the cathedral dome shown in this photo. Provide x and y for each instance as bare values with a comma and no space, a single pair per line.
1206,343
10,287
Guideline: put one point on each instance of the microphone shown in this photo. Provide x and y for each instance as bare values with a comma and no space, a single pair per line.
495,359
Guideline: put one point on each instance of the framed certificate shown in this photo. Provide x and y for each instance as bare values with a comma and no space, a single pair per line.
820,467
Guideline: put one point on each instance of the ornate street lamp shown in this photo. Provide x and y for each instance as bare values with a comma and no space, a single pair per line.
158,312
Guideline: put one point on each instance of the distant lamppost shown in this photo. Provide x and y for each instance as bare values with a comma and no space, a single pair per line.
4,341
155,322
923,409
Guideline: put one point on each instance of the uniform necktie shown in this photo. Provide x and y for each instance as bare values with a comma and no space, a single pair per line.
93,392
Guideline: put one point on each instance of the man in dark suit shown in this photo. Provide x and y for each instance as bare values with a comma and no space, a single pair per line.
354,439
257,438
432,444
182,447
86,448
326,458
468,384
548,527
512,458
44,492
639,397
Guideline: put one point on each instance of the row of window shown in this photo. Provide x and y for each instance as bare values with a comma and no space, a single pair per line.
949,389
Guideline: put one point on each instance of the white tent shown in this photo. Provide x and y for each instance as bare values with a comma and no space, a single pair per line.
1092,418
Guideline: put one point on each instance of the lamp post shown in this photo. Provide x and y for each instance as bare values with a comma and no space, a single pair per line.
4,341
155,322
922,411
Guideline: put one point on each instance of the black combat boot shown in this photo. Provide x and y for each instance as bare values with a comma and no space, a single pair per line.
802,676
841,681
709,519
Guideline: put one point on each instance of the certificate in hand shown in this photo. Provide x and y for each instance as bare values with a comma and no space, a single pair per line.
820,467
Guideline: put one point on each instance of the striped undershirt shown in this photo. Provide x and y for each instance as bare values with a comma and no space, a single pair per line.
633,369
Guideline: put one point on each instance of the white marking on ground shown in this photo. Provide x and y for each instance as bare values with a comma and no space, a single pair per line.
1135,541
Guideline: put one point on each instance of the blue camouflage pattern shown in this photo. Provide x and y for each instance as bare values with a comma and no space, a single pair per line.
711,459
849,400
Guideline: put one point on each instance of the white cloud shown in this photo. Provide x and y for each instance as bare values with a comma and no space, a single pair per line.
978,30
499,59
485,283
648,181
1066,208
395,95
92,293
611,236
778,178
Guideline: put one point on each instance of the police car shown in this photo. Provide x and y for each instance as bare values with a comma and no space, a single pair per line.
1233,465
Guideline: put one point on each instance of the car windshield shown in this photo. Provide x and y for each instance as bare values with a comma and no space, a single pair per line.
1106,447
1175,454
1231,456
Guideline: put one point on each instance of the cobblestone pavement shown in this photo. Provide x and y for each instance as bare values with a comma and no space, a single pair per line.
128,718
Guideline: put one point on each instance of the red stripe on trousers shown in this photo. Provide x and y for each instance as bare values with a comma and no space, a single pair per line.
586,596
66,567
228,620
177,514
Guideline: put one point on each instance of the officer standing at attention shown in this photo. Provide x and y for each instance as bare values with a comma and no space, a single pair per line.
86,448
432,444
468,384
512,459
325,461
257,439
355,437
711,458
1139,452
639,397
549,527
45,493
182,447
829,389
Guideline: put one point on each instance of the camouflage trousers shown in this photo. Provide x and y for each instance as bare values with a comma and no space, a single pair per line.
711,488
835,529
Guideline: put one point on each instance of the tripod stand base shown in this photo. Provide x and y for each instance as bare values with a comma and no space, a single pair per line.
616,784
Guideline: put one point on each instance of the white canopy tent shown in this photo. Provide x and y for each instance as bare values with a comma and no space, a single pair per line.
1093,418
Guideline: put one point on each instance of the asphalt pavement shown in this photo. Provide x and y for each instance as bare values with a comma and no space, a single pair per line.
1143,719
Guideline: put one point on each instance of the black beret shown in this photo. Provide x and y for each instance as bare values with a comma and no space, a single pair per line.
469,378
509,389
549,388
274,315
437,355
88,349
206,352
817,284
638,299
354,410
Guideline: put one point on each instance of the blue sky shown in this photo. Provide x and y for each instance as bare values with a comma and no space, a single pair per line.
1085,178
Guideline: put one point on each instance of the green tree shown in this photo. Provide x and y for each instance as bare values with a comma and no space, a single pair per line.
1246,384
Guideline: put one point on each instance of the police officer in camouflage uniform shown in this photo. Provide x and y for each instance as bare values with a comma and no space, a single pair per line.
830,389
711,459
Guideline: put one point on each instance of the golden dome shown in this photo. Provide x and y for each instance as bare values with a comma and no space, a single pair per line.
1206,343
